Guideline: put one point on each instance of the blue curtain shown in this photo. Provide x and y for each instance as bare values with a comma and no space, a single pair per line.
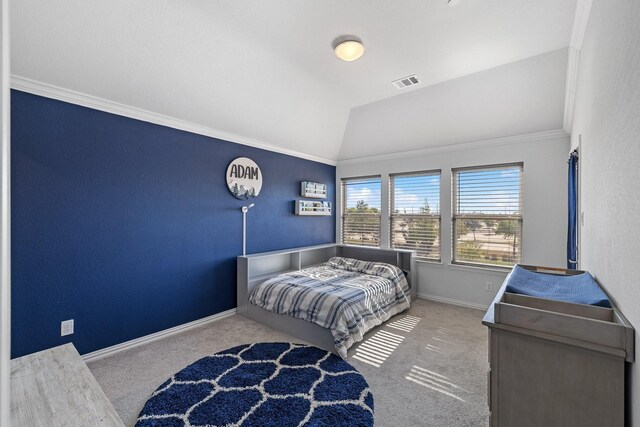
572,232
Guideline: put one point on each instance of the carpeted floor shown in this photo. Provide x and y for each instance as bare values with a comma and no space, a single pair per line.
426,367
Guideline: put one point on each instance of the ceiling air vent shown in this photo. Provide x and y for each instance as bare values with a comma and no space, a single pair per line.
406,82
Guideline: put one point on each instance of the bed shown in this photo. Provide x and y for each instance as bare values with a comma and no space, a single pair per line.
328,295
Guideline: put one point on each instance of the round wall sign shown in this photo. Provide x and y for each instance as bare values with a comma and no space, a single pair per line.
244,178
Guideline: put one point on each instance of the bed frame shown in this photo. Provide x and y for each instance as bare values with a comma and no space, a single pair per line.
254,269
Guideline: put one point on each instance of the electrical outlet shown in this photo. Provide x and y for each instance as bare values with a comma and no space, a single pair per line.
488,286
66,327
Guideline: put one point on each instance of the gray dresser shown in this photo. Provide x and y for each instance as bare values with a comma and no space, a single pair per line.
554,363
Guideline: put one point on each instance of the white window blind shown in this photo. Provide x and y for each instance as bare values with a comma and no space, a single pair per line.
361,211
487,215
415,213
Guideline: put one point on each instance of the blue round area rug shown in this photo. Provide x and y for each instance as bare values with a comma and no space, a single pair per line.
265,385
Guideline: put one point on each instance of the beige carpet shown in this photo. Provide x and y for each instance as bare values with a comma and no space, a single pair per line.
426,367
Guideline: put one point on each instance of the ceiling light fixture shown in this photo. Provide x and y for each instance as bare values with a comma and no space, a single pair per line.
348,48
453,2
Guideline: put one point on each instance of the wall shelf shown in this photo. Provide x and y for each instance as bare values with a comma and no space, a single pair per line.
313,208
313,190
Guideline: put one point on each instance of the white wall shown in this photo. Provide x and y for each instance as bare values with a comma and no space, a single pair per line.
5,238
544,207
607,116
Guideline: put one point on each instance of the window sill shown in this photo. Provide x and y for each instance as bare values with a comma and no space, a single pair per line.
488,268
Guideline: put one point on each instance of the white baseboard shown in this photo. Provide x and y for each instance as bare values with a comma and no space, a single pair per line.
109,351
453,301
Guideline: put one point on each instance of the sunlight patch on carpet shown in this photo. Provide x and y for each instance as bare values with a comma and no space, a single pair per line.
405,324
434,381
377,348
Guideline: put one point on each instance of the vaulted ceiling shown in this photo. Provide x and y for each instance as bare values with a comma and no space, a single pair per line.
265,70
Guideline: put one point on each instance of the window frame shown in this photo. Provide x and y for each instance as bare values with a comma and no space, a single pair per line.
438,216
455,215
343,208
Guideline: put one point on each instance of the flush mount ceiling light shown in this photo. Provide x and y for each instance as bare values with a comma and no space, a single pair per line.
348,48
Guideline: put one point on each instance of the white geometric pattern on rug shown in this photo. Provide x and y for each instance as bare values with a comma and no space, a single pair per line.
262,385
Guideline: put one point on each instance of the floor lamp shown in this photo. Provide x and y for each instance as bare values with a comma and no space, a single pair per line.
245,209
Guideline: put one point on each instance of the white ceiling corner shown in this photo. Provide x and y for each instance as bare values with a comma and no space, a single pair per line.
265,71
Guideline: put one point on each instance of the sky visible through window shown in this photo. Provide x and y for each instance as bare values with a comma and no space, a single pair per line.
491,192
413,193
368,190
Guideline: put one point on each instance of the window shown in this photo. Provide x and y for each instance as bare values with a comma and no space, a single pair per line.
487,215
415,213
361,211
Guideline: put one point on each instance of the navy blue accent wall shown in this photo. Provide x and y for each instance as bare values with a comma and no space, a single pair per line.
129,228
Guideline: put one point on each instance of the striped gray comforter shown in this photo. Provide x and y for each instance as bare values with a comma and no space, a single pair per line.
347,296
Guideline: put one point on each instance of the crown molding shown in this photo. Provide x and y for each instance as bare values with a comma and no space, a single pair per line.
580,21
570,89
66,95
61,94
471,145
583,10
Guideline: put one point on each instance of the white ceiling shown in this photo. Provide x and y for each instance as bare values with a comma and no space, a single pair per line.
522,97
265,69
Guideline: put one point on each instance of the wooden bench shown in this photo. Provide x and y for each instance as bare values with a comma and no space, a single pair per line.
54,387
